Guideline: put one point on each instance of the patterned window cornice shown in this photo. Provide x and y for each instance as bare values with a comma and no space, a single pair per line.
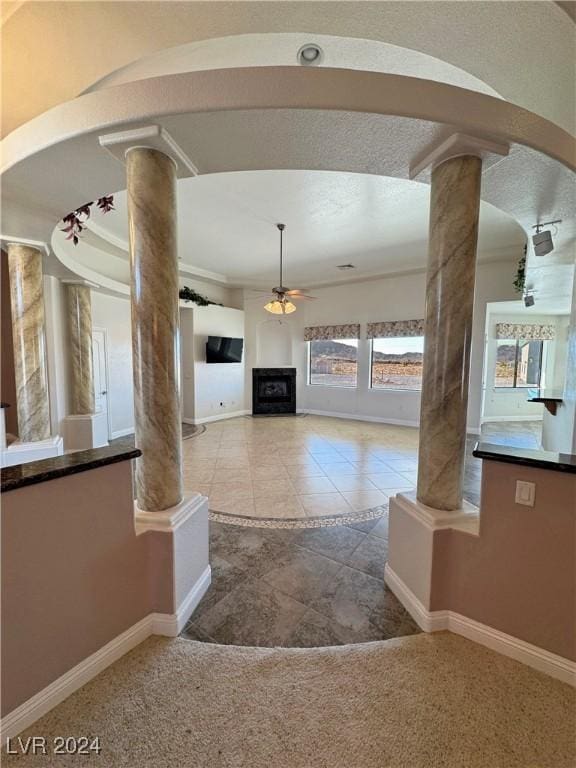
527,331
329,332
392,328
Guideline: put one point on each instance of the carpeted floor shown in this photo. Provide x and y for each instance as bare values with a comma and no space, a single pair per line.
417,702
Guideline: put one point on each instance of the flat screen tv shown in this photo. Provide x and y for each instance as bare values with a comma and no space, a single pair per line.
221,349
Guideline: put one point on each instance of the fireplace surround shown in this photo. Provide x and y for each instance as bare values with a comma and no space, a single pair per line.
273,391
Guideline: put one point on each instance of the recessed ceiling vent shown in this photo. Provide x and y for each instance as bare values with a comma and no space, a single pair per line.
345,267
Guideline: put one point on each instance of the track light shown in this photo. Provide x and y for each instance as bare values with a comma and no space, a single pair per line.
542,240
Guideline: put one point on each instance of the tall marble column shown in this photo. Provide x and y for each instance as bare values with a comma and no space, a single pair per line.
155,327
453,234
79,310
27,304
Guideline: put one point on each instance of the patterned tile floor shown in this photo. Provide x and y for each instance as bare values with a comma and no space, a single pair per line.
310,587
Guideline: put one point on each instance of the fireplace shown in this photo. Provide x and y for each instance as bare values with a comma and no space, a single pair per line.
273,391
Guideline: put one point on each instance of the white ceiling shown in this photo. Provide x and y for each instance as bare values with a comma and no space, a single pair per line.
226,225
281,49
496,42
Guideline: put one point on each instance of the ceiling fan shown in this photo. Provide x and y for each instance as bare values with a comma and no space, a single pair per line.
281,301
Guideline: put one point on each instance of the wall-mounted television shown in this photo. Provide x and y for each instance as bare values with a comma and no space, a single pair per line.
221,349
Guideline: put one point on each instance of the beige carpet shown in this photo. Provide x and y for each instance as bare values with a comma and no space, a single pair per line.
415,702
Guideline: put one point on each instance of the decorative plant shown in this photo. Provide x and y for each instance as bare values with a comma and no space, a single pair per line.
188,294
75,221
520,279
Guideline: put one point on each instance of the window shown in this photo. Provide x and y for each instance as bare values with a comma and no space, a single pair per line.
333,363
518,363
397,363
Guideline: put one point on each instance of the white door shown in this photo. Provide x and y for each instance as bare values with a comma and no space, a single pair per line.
100,374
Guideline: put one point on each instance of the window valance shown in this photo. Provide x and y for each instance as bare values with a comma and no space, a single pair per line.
392,328
529,332
329,332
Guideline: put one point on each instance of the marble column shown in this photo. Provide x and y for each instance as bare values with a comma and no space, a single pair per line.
155,327
27,304
453,234
79,311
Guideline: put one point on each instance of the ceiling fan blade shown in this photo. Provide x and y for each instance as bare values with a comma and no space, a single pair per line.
299,295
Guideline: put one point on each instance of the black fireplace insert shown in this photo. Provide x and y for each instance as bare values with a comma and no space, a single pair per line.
273,391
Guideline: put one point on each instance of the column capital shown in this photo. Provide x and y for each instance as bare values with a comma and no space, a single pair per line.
6,241
149,137
456,145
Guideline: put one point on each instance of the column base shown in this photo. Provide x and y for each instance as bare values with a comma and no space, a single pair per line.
178,555
22,453
413,533
84,431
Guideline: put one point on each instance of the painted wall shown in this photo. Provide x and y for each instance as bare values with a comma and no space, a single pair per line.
559,431
394,298
517,575
85,578
210,391
112,314
502,403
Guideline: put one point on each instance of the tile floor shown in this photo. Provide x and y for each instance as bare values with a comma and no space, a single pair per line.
309,587
300,467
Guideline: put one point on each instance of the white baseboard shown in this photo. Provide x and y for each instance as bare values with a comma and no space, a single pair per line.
218,417
360,417
169,625
122,433
495,419
435,621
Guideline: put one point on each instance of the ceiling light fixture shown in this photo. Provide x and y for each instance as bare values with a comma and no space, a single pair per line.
542,240
280,303
310,55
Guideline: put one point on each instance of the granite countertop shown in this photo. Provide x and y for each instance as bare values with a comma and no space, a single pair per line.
34,472
528,457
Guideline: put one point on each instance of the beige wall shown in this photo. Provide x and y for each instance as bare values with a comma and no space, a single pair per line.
519,575
74,575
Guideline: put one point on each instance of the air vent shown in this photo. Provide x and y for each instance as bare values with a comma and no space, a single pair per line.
344,267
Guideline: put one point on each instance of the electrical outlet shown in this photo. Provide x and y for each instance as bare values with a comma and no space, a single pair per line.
525,493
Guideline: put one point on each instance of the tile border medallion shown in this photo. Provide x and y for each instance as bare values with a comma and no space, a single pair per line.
312,522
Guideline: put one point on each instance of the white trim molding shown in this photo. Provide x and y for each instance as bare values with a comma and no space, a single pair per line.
219,417
360,417
513,647
122,432
169,625
168,519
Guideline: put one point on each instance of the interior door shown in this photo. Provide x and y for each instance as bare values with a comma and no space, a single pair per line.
100,373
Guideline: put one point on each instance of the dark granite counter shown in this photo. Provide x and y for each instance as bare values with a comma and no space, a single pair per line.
34,472
528,457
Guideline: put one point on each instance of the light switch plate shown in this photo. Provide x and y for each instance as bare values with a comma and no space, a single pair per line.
525,493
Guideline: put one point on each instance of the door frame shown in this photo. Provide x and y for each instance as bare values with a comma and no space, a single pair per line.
104,333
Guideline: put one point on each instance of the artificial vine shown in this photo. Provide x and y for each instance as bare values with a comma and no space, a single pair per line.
76,220
520,279
188,294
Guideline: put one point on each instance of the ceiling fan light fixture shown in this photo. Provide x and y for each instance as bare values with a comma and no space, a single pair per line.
277,307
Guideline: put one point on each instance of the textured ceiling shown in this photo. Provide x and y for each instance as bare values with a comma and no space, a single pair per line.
497,42
226,224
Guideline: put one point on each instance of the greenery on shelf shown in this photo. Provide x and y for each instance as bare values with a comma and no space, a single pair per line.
188,294
520,279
